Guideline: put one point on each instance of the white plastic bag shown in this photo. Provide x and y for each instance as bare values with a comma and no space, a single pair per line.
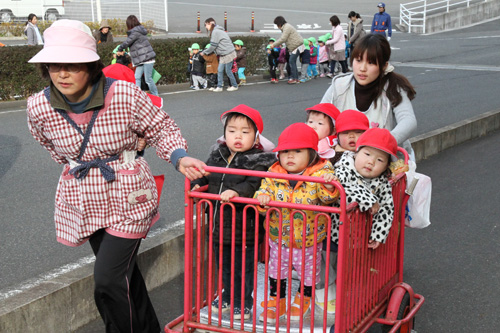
418,208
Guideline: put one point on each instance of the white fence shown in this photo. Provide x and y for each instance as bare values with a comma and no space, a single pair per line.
413,14
96,10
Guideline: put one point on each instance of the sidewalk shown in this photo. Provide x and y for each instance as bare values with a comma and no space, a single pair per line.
449,278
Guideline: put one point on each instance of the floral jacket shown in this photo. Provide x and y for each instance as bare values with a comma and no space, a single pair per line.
302,193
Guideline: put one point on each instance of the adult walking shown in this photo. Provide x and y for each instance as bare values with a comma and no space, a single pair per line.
221,44
104,34
294,43
382,22
336,46
141,52
376,90
355,28
106,195
32,32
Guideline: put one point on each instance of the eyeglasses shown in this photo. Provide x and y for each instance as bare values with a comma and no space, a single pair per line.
71,68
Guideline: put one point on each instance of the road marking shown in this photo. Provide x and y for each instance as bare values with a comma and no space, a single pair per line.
448,66
22,110
34,282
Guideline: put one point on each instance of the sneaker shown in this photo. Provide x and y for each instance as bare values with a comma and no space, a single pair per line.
243,82
218,89
296,312
282,77
329,75
211,88
320,299
232,88
292,81
303,80
272,314
215,306
192,87
322,75
237,313
272,81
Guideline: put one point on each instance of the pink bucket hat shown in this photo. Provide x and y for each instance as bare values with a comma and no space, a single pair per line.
67,41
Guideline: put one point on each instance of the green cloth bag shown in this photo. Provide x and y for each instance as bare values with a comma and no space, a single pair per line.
156,76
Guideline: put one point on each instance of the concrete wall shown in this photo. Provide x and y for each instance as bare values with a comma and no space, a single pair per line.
461,17
66,303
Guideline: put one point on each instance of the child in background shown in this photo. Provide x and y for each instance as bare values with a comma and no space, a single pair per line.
282,61
323,57
297,154
312,70
211,68
272,58
349,126
347,47
322,118
365,178
241,60
305,59
197,68
242,147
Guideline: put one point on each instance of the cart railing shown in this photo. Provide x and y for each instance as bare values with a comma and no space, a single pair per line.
364,277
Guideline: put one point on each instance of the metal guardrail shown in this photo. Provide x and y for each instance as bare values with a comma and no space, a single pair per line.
414,14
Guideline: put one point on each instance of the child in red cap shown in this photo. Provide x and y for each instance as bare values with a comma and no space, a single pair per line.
349,126
297,154
321,118
364,176
241,147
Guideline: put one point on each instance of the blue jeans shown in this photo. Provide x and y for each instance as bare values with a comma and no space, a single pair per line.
220,74
294,73
241,73
147,69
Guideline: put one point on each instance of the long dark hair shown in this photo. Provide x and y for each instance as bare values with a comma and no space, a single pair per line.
132,22
93,68
378,51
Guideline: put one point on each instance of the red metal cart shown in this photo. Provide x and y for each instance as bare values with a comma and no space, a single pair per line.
369,283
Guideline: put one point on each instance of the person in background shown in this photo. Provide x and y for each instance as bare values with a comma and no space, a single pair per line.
312,70
32,32
241,60
104,34
323,57
282,61
305,59
211,68
90,125
381,23
347,47
141,52
197,68
294,43
272,59
221,44
336,46
373,88
355,28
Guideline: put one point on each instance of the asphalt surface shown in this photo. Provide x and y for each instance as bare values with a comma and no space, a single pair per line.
453,263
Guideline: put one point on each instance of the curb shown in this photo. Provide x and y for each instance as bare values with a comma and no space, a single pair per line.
66,303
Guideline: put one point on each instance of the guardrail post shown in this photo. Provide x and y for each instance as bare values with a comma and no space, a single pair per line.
425,17
253,18
225,21
198,30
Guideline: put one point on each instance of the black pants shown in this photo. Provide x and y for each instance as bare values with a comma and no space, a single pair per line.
226,273
343,63
212,80
120,292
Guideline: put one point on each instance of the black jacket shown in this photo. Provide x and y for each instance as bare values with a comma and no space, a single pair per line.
253,159
140,47
198,64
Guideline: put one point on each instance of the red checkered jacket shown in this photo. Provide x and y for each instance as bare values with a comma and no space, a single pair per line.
127,206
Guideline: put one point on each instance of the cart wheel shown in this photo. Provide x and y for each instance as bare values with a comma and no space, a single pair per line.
404,308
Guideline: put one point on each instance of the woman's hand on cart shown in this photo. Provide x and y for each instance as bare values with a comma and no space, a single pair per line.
192,168
373,244
227,195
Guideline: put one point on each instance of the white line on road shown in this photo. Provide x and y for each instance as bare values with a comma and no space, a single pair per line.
448,66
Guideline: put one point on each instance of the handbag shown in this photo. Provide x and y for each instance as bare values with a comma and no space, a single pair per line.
418,208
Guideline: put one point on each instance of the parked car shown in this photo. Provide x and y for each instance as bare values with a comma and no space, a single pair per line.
49,10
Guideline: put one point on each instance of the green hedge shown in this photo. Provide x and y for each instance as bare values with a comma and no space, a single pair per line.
19,79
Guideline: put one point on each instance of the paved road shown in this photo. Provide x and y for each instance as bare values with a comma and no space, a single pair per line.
446,94
453,263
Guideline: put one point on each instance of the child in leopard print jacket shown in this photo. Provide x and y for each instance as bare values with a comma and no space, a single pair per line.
364,177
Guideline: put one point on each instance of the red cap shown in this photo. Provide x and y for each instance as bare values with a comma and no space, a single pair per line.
253,114
297,136
123,73
349,120
378,138
327,108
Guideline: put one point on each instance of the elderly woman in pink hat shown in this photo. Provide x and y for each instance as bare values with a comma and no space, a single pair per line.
106,195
